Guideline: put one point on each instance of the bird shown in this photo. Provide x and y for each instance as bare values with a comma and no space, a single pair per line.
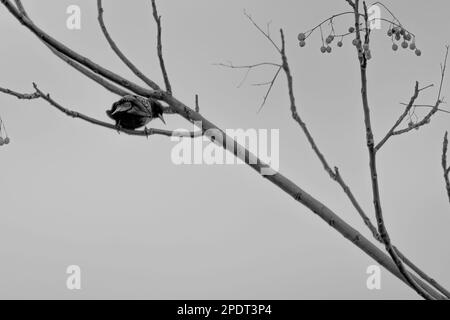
133,112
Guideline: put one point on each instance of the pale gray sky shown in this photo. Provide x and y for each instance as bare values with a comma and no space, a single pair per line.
141,227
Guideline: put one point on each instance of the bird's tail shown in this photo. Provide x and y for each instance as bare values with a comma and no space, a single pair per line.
109,113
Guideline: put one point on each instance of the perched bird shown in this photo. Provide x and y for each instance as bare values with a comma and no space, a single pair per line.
132,112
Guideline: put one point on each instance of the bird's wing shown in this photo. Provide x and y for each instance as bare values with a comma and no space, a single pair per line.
122,107
132,105
140,111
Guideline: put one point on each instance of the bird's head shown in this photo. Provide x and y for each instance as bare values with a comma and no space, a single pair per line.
158,110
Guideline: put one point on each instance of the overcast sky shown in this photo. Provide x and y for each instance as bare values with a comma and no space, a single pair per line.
141,227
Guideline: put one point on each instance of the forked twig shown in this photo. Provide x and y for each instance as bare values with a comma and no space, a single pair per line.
119,53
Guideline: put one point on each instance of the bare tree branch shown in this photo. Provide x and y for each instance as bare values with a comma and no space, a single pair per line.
254,66
426,120
335,175
267,35
91,75
400,119
382,229
159,47
271,83
18,95
351,3
197,106
74,114
119,53
422,274
426,106
23,19
445,166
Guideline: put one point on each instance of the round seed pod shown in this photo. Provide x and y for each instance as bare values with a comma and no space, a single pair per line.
395,47
301,37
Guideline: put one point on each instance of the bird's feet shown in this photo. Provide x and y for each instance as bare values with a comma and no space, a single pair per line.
147,131
118,127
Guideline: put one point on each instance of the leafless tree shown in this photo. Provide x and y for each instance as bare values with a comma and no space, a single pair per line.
396,262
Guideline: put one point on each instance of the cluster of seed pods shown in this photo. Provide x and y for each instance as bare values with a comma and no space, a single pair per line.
406,39
399,35
326,45
3,140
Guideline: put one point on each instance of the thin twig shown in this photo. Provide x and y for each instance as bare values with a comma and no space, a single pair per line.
119,53
251,67
270,89
262,31
18,95
445,166
426,106
159,47
197,105
400,119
